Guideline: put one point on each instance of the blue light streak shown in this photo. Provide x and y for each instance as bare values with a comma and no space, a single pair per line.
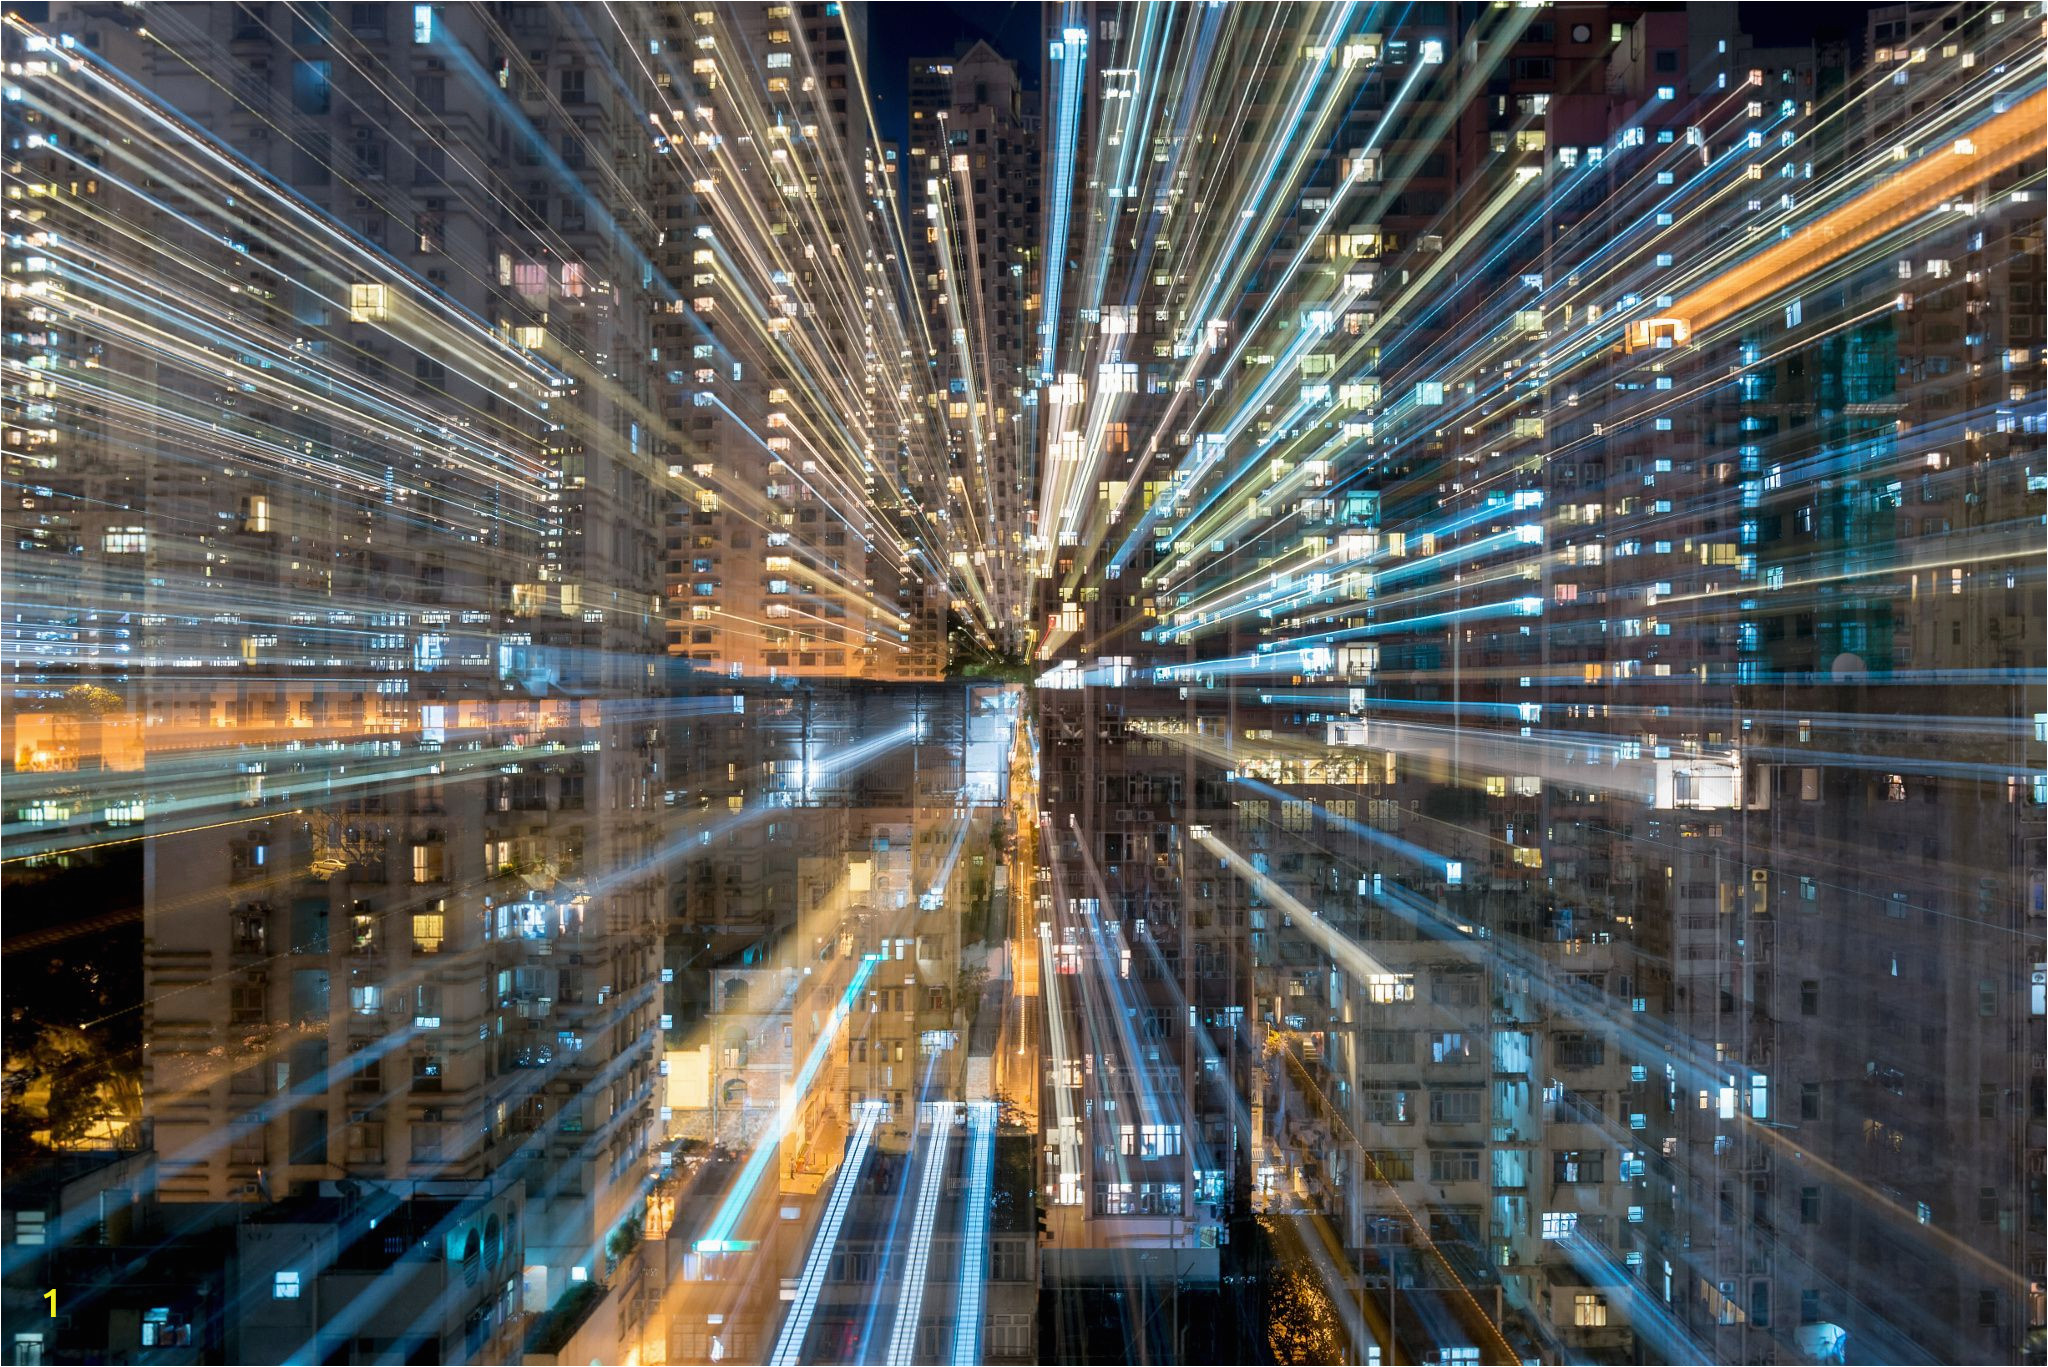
981,1124
1072,55
903,1332
789,1343
718,1237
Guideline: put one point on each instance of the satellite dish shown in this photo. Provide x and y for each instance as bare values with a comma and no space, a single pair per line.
1848,668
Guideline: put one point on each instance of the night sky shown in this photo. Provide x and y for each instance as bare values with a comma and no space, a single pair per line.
900,32
1774,23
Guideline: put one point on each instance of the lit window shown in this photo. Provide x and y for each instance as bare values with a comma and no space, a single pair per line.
1386,988
429,928
124,541
157,1330
1589,1311
285,1286
367,303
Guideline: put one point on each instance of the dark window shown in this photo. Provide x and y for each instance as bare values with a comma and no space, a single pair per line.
369,153
309,1134
312,163
310,23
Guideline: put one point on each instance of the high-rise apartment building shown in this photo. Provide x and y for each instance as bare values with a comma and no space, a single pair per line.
785,365
1787,594
1507,936
372,452
972,202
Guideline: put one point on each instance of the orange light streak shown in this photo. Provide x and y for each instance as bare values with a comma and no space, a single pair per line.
1996,145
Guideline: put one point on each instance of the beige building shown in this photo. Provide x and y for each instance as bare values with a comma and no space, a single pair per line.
786,365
